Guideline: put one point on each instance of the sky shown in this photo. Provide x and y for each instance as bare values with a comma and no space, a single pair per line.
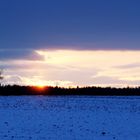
70,42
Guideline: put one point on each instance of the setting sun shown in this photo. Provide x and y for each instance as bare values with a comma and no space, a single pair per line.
40,87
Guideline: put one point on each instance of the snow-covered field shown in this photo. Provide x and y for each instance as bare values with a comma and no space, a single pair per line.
69,118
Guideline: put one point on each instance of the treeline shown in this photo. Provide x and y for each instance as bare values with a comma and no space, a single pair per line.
95,91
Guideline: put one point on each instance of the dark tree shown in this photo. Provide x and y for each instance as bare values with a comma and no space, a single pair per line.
1,77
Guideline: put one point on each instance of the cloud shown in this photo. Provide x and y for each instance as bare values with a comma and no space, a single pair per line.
31,54
34,81
129,66
15,54
76,67
12,79
114,82
93,46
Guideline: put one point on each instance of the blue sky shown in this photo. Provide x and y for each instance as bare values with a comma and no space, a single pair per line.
95,24
30,25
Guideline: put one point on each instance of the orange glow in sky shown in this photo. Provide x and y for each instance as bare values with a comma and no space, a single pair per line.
39,88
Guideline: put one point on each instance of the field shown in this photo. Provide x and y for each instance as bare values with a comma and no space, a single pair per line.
69,118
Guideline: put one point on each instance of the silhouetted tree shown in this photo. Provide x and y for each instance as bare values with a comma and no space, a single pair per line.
1,77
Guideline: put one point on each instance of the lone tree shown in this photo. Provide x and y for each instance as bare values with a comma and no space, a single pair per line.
1,77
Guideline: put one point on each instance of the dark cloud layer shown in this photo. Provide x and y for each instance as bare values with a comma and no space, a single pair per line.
15,54
99,25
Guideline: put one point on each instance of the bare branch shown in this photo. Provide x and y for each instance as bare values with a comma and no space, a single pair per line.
1,77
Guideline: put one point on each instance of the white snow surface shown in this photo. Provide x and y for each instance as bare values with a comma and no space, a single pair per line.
69,118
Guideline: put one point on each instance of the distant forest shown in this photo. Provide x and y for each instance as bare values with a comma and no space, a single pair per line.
17,90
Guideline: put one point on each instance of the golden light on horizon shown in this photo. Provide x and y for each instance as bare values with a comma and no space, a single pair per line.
40,88
67,68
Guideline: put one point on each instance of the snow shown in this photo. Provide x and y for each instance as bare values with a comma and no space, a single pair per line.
69,118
